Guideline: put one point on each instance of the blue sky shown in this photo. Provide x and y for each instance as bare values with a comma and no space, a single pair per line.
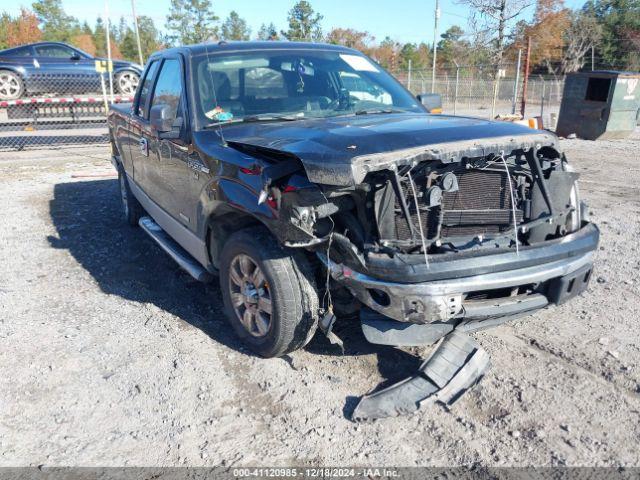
402,20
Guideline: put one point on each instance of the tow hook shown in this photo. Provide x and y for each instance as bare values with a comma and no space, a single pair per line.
455,366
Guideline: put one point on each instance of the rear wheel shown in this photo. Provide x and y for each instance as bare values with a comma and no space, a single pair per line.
127,82
269,293
131,208
11,86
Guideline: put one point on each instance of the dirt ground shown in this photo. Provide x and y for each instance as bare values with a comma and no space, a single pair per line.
111,355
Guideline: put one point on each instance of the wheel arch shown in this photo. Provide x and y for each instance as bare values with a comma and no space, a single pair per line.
221,226
116,71
12,69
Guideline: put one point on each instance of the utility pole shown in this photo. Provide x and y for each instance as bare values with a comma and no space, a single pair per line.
435,47
409,77
109,63
135,26
593,58
515,84
523,105
455,98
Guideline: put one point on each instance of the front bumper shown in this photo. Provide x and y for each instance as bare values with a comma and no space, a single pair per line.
481,296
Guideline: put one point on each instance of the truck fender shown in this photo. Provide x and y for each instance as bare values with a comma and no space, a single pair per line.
235,207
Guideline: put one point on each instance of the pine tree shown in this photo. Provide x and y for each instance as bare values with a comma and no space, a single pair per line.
304,23
191,21
100,38
268,32
235,28
55,23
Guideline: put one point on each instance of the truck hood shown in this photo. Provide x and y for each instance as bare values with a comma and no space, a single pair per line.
342,150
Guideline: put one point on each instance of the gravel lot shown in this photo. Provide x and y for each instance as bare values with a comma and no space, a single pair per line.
111,355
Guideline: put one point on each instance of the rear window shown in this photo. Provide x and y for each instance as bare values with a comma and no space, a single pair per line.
262,82
18,52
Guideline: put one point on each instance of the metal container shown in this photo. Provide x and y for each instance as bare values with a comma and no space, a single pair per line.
600,105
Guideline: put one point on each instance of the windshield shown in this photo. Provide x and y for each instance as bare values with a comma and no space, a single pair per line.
293,84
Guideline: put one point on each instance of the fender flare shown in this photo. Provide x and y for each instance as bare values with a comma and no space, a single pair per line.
12,68
116,71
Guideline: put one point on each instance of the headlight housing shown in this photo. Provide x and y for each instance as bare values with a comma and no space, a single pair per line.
574,218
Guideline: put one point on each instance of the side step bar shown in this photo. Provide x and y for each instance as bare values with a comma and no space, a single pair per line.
175,251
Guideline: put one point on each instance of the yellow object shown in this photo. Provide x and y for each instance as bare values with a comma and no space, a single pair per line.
436,110
103,66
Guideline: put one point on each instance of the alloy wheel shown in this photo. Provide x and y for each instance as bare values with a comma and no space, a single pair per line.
128,82
9,86
250,295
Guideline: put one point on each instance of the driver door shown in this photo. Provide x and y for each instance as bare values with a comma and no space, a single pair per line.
181,173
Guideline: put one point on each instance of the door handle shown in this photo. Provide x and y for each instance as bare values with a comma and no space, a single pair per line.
144,146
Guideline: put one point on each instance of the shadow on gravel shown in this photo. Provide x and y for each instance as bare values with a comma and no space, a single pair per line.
125,262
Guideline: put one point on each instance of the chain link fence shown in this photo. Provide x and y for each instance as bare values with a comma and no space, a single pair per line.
474,91
58,110
55,112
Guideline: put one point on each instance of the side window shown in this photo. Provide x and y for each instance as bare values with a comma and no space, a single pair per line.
168,87
141,108
262,82
20,52
55,51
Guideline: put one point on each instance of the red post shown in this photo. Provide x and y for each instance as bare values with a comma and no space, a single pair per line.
525,80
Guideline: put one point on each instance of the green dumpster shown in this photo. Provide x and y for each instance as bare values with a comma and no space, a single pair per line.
600,105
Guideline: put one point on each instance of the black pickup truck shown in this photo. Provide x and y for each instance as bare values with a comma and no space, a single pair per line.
318,188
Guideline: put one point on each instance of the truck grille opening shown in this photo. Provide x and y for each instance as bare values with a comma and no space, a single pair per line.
481,206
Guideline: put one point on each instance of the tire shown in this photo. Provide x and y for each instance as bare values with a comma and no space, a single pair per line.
131,208
11,85
286,285
126,82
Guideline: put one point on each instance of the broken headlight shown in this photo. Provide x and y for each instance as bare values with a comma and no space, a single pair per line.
574,217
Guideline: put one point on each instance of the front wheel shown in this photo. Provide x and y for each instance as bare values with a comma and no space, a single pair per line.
269,293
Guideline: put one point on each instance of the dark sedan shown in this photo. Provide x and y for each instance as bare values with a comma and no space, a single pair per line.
58,68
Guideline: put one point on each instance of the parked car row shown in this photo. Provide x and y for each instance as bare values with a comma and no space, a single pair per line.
53,68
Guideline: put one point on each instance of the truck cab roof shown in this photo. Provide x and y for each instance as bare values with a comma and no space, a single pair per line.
233,46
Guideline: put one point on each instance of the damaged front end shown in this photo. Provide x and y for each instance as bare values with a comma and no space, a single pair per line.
431,242
452,235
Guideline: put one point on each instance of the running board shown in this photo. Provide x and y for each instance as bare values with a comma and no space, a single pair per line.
175,251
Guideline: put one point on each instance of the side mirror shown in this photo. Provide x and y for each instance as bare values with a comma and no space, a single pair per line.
74,57
431,101
164,121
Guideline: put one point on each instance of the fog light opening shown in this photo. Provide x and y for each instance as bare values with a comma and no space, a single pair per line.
380,297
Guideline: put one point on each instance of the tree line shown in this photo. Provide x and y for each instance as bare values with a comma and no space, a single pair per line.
563,40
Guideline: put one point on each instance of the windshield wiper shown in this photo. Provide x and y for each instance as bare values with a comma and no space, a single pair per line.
256,118
271,118
374,111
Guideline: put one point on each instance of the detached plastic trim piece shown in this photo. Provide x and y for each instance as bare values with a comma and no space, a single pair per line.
455,366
